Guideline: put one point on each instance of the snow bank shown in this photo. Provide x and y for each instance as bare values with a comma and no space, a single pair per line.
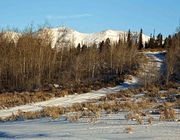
106,128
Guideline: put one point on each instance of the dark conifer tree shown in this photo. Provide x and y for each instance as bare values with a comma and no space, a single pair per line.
78,48
84,47
101,45
140,43
129,40
159,40
107,43
146,45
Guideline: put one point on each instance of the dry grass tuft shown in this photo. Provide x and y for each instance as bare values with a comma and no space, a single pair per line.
135,117
168,114
128,130
53,112
150,120
72,117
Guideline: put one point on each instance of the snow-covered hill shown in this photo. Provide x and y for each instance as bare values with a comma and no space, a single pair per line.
11,36
64,37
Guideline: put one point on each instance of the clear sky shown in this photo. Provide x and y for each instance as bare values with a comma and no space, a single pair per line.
93,15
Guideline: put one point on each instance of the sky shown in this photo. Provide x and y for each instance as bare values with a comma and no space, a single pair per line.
90,16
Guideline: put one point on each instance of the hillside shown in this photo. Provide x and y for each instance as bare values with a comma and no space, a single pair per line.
65,37
69,36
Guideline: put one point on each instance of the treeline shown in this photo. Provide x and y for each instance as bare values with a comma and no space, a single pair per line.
32,63
154,42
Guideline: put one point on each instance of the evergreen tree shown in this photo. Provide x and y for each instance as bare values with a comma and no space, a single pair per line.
84,47
129,40
107,43
159,40
101,45
151,43
140,45
78,48
146,45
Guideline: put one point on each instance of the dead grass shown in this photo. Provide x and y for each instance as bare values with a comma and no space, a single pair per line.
153,50
53,112
91,110
112,103
150,120
128,130
72,117
15,99
168,114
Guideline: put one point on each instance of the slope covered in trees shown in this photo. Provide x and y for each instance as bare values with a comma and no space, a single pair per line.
32,63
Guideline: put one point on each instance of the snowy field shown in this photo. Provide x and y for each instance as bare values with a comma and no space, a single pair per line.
107,127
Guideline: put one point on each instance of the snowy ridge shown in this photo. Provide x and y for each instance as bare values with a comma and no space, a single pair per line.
64,37
69,36
11,36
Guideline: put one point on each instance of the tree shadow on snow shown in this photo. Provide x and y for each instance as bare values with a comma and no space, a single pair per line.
11,136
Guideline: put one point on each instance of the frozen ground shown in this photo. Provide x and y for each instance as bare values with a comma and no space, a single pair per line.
106,128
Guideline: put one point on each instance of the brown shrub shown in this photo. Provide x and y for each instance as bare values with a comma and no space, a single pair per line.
150,120
168,104
15,99
62,93
53,112
28,115
128,130
72,117
168,114
134,117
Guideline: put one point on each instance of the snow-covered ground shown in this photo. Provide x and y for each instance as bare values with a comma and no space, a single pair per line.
109,127
70,99
158,59
154,67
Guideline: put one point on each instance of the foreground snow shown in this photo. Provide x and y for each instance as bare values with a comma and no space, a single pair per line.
106,128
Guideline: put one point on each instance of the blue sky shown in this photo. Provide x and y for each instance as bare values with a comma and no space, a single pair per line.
93,15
